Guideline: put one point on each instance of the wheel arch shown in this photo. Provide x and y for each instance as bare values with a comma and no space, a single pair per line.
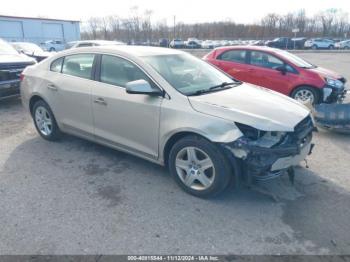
173,139
317,89
35,98
234,164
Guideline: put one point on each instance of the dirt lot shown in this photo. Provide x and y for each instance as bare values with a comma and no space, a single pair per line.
75,197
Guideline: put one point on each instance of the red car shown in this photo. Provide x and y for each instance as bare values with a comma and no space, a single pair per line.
280,71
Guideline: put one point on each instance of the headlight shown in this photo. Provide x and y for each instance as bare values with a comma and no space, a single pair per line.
334,82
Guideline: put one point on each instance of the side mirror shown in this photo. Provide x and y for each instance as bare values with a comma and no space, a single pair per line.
282,69
142,87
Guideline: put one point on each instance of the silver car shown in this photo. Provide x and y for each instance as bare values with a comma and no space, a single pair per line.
170,108
88,43
343,45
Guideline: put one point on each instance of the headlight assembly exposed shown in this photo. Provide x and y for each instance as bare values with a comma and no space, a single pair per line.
334,82
260,138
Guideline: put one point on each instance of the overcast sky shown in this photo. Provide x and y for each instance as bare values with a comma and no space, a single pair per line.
190,11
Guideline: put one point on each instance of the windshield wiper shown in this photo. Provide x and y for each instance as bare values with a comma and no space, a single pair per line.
224,85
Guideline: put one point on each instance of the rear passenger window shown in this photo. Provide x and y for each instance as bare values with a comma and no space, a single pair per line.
238,56
78,65
56,66
118,71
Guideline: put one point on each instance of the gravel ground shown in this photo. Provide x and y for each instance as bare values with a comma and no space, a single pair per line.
76,197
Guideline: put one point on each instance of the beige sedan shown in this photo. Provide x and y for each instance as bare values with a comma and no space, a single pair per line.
172,109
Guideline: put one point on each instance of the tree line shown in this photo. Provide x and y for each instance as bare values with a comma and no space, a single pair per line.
139,26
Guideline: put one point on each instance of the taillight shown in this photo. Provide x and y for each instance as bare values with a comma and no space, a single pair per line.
21,77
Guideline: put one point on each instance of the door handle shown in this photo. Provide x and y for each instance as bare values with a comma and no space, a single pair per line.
52,87
100,101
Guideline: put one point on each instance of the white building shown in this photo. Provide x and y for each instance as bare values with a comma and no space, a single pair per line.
38,30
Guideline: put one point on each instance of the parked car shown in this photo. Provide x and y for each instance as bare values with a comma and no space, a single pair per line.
258,43
172,109
343,44
86,43
192,44
177,43
319,43
164,42
208,44
224,43
31,49
12,64
299,42
53,45
287,43
280,71
281,42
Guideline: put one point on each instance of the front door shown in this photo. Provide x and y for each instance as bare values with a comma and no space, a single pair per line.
263,72
127,121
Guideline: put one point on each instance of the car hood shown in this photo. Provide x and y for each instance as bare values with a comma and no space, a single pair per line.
15,58
325,72
251,105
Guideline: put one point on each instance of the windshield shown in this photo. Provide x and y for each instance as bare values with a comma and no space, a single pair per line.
27,47
186,73
296,60
6,49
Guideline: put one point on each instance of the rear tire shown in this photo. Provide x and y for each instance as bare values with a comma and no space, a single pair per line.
314,47
45,122
305,93
331,47
199,167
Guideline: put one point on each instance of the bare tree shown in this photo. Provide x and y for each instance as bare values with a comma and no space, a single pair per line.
93,25
139,26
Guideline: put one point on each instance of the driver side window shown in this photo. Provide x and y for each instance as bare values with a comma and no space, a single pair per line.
118,71
266,60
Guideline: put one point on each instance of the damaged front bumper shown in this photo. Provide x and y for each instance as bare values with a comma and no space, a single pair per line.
334,95
262,162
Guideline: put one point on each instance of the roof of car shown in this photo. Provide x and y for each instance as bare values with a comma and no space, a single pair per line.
97,42
21,43
247,47
138,51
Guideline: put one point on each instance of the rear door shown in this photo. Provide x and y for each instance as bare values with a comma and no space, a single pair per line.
126,121
234,62
69,92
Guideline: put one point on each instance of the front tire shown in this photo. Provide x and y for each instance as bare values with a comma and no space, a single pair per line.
45,122
306,94
314,47
199,167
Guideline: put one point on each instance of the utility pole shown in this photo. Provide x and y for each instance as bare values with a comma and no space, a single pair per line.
295,31
174,27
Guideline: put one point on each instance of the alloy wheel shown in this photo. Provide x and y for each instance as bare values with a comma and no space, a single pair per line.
195,168
304,96
43,120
